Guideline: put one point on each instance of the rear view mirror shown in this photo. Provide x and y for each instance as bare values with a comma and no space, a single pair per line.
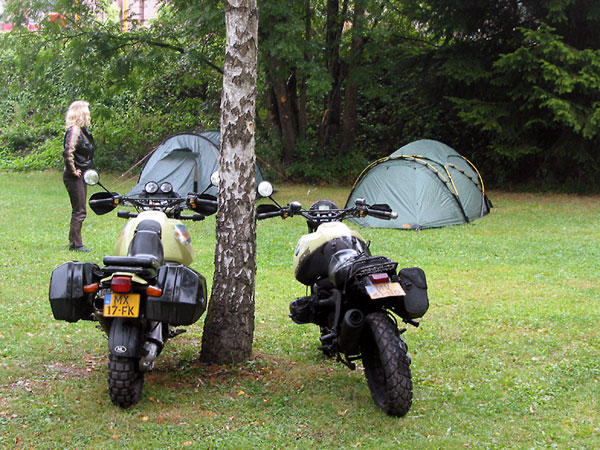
265,189
91,177
215,178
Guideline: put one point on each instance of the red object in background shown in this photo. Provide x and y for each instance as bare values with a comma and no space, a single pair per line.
57,18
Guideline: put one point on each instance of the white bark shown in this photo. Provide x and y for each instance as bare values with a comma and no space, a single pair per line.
229,326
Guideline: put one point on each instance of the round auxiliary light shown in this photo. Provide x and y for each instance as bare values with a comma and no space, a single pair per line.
151,187
166,187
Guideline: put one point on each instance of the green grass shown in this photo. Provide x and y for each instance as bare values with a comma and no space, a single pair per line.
508,355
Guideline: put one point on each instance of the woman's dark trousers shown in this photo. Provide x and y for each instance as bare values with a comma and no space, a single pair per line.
77,190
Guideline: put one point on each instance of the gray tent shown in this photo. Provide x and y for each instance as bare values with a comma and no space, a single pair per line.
427,183
186,161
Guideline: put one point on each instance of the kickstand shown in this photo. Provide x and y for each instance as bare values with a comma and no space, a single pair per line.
174,333
347,361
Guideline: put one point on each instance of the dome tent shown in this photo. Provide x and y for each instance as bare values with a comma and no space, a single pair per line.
186,161
427,183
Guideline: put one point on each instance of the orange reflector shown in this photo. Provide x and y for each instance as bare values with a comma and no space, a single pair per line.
153,291
91,288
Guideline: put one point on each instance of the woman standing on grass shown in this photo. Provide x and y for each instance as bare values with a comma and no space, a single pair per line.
79,157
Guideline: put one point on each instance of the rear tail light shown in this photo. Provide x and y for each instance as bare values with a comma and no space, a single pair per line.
121,284
379,278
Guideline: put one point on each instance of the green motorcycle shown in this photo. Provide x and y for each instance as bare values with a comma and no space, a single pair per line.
145,289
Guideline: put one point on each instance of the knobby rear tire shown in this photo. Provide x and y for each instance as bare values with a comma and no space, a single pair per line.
125,381
387,366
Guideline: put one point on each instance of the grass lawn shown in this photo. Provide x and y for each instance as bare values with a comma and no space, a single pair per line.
508,355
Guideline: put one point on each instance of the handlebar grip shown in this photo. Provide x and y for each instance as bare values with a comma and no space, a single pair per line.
205,201
268,215
194,217
385,215
126,214
101,201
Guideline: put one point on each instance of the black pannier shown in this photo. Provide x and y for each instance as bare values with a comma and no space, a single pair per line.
416,302
302,309
67,299
183,299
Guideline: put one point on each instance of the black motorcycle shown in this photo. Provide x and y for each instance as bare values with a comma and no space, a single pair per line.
355,296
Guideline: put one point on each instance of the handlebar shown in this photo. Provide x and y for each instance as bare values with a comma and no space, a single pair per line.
102,201
126,214
360,209
130,215
205,201
268,215
194,217
385,215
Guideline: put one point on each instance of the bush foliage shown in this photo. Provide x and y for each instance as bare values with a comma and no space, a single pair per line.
513,85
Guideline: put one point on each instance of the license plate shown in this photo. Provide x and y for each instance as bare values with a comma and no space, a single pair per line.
382,290
121,305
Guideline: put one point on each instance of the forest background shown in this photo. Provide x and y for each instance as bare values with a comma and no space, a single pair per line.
513,85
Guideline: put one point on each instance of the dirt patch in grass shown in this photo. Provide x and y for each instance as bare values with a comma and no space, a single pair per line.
75,370
584,284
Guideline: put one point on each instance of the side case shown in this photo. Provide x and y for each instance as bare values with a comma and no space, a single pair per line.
416,302
183,299
67,299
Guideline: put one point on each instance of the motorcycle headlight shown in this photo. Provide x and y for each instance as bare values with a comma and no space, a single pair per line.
166,187
151,187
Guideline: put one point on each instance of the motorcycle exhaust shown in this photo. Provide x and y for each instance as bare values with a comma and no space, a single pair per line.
350,331
152,347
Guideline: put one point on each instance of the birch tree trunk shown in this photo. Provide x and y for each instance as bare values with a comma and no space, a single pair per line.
229,327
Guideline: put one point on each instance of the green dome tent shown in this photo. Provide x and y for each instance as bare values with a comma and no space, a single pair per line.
427,183
186,161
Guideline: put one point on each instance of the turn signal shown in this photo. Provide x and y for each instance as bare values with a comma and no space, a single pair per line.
121,284
91,288
153,291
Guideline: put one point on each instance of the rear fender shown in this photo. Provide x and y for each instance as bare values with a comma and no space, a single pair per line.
125,338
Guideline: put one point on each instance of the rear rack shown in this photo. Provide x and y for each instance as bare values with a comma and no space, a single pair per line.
140,265
372,264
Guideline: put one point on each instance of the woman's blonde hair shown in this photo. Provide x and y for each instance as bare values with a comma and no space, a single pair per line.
78,114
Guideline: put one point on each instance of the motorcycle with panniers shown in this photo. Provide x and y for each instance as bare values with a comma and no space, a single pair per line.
354,296
145,289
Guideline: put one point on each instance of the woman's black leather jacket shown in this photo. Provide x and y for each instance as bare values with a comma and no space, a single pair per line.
79,149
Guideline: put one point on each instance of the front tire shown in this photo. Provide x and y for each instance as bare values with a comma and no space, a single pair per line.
386,364
125,381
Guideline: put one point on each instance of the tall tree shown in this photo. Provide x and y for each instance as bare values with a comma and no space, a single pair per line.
351,94
524,75
229,326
